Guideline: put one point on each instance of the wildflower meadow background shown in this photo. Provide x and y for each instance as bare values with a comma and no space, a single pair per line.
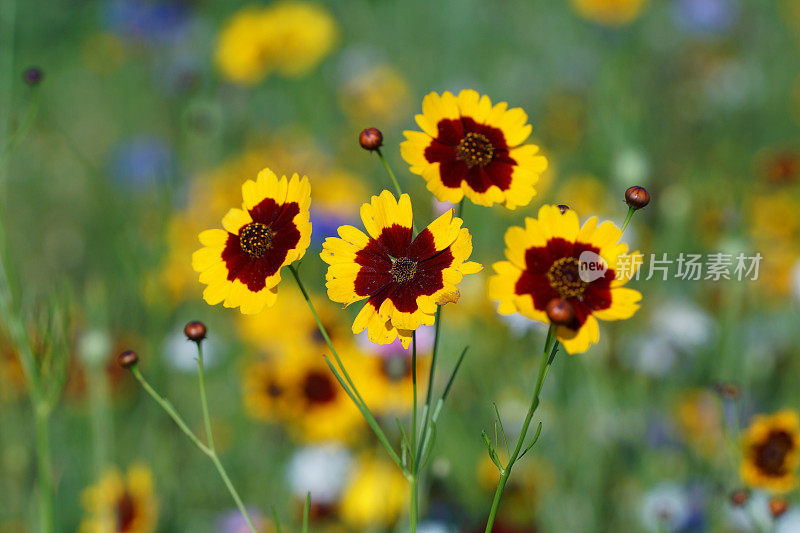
127,131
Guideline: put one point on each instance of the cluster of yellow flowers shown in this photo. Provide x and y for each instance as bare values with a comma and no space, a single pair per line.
467,148
289,37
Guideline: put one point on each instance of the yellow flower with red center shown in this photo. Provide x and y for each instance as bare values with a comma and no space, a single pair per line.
468,147
771,452
402,277
121,504
299,390
241,264
544,263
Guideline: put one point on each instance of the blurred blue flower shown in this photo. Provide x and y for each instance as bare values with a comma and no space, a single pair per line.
705,16
325,222
146,21
141,161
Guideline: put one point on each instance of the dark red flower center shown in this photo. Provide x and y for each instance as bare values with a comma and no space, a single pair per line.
770,456
403,269
126,512
475,150
274,389
564,276
255,239
318,388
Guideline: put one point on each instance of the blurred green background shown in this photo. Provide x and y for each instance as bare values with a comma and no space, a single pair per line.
136,139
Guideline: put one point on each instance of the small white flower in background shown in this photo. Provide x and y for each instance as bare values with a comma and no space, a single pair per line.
94,346
181,353
233,521
322,470
653,356
631,166
435,527
682,323
754,516
665,507
788,523
796,280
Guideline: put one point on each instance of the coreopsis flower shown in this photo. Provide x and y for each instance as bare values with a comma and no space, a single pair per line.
121,504
771,447
241,264
300,391
404,278
468,147
609,12
553,257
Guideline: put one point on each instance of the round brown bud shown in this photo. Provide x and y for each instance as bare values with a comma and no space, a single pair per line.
739,497
559,312
563,208
729,391
32,76
128,359
371,139
637,197
195,331
778,506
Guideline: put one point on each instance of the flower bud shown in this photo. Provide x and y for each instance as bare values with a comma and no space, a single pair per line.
739,497
195,331
778,506
128,359
32,76
371,139
559,312
637,197
729,391
563,208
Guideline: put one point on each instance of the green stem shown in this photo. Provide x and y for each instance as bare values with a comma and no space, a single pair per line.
210,453
413,507
549,345
204,402
166,406
346,382
414,452
45,472
631,211
426,410
235,495
391,174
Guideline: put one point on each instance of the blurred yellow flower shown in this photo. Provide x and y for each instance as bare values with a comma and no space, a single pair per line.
771,452
290,37
698,414
375,495
299,390
379,95
268,332
468,147
241,264
609,12
121,504
585,193
391,385
543,265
